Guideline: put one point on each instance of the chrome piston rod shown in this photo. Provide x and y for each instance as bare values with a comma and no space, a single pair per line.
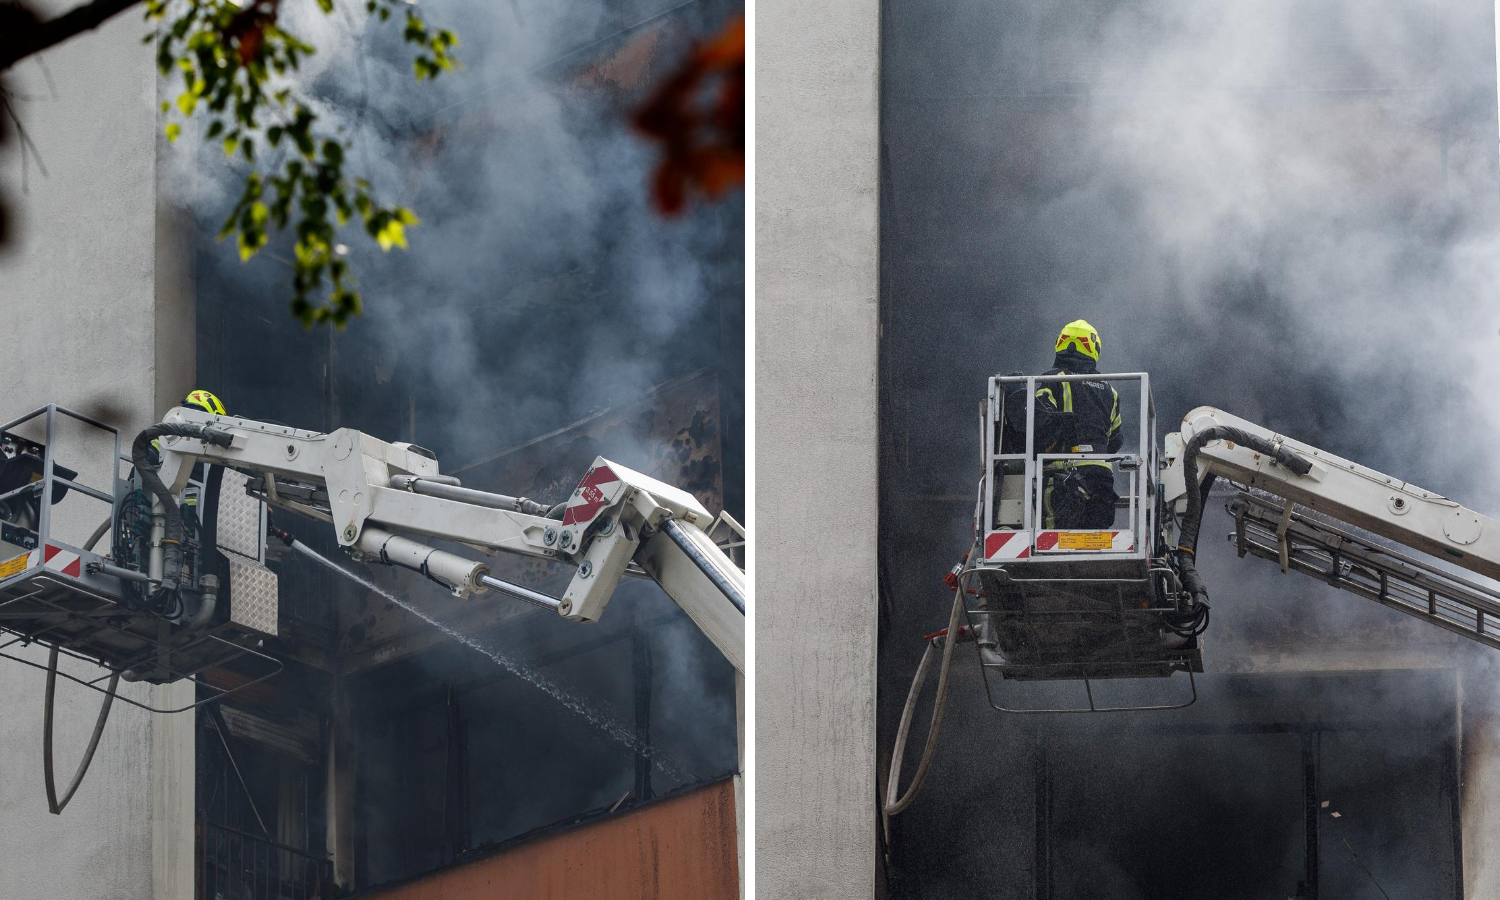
432,487
676,532
515,590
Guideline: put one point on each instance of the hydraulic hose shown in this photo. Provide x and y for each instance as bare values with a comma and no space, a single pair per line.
1187,544
172,540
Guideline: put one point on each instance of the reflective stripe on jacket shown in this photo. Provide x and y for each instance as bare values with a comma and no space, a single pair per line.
1077,416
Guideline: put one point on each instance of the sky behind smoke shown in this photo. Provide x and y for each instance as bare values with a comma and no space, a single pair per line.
1285,209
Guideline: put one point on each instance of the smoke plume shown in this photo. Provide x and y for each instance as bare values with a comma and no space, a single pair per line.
1286,210
540,288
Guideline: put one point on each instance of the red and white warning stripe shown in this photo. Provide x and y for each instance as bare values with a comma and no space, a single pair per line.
60,560
1007,545
596,490
1120,542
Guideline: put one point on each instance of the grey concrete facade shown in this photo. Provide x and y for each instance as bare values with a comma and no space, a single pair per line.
91,322
816,221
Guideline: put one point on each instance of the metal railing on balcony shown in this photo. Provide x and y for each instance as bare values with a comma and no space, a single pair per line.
237,865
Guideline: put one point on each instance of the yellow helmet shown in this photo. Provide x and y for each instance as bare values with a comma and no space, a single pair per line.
205,401
1080,336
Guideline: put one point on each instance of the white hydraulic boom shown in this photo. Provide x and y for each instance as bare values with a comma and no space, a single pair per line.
377,495
1321,520
146,606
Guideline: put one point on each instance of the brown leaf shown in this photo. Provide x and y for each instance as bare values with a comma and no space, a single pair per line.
698,116
246,32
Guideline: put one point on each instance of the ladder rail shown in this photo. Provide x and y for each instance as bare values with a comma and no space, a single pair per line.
1391,578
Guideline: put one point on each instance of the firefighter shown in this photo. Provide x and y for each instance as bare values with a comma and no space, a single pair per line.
1078,417
198,504
198,399
212,405
205,401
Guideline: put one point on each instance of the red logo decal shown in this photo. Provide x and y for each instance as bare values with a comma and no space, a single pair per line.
589,499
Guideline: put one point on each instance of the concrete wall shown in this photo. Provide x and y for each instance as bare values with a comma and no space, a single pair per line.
86,322
815,514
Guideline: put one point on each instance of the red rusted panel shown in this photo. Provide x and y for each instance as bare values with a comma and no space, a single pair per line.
683,847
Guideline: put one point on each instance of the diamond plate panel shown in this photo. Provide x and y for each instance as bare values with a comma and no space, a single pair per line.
242,527
253,602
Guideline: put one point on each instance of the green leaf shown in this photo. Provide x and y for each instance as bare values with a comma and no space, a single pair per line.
415,31
309,194
392,235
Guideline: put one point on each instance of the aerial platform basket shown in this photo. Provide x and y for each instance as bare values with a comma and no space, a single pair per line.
72,598
1048,603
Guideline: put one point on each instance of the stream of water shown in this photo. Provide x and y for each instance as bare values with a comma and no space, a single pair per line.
580,708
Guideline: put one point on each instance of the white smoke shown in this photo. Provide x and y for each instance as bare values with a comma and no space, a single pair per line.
534,194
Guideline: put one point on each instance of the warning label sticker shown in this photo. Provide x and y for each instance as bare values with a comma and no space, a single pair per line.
1086,540
12,566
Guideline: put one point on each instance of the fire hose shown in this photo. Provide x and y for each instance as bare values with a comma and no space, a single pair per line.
895,801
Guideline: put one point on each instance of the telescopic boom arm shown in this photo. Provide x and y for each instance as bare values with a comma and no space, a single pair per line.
1323,515
383,499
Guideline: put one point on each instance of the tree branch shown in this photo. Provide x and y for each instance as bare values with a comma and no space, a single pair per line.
23,35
